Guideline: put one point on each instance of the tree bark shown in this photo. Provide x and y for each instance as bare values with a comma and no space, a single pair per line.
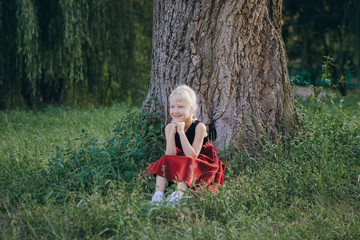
232,54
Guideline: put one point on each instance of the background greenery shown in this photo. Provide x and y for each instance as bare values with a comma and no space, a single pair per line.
314,30
74,52
70,173
74,173
88,52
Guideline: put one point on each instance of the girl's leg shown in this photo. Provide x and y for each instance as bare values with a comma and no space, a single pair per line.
176,196
160,184
159,196
181,188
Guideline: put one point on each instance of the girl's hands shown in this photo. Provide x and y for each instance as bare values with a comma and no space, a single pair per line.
180,127
173,128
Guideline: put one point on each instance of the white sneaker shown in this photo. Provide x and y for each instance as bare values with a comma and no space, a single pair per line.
174,199
158,198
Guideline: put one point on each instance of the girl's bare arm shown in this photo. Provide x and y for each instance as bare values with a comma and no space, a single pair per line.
170,131
194,149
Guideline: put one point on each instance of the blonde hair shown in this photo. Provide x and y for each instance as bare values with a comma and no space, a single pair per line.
186,94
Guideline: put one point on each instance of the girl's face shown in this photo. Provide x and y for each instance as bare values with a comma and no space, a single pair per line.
180,111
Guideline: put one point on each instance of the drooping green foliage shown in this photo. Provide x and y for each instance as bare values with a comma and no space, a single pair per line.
314,29
73,52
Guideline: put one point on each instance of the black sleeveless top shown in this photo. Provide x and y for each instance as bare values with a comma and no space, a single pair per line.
190,134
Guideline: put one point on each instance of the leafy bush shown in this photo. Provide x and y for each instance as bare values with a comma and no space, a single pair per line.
136,140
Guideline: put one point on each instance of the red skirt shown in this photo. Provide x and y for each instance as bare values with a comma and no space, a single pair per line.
205,170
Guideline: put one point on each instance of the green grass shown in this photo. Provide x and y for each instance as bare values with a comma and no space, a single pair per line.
35,134
304,188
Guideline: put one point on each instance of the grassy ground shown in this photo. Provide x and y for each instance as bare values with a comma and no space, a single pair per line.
307,187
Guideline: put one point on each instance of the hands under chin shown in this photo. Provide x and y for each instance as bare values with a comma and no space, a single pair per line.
179,126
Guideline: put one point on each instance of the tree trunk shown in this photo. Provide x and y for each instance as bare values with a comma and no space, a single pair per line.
232,54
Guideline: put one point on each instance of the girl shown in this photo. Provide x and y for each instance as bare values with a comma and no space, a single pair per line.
190,159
